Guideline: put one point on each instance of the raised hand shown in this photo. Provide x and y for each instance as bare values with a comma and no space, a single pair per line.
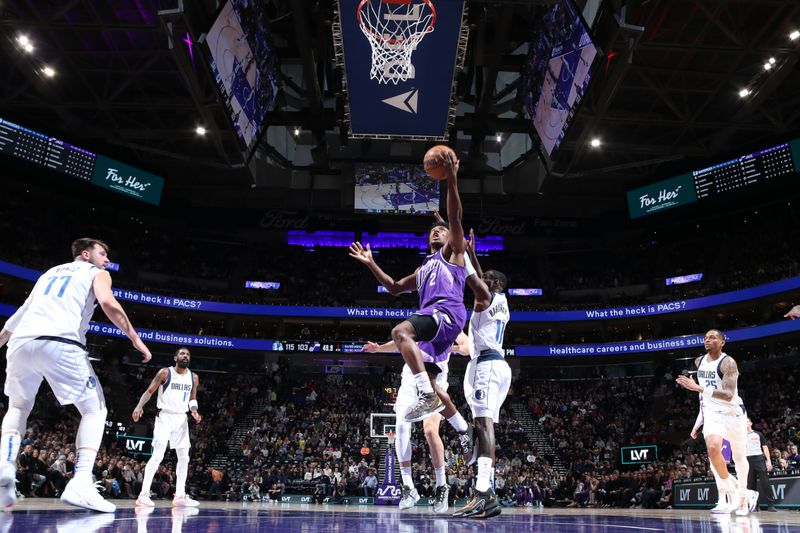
359,253
450,163
438,216
471,242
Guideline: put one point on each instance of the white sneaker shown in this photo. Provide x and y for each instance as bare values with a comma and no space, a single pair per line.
8,487
743,504
753,503
723,505
144,501
409,498
85,494
184,501
440,502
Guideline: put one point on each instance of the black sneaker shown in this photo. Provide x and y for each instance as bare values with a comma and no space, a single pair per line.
465,440
771,509
486,505
466,508
427,404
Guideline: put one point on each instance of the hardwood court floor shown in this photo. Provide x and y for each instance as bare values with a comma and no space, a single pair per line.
47,515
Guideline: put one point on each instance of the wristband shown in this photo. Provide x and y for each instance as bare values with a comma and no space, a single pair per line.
193,405
708,392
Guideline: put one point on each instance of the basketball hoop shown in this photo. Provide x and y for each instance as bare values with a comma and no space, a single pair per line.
394,28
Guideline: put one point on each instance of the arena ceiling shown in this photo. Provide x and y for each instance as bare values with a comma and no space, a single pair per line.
665,97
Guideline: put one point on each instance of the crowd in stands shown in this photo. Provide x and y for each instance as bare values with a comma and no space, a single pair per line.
310,434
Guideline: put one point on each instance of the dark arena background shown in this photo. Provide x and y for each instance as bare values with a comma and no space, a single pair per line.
633,167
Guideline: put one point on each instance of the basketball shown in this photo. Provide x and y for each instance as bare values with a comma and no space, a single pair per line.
433,161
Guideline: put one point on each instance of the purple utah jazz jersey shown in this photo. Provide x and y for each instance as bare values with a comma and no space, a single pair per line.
441,295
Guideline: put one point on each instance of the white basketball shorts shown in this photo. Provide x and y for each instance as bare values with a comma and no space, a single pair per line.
407,393
486,386
66,368
730,426
172,427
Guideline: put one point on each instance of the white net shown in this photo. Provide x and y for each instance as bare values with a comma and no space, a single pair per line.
394,29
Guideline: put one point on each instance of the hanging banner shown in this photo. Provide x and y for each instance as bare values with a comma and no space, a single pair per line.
400,59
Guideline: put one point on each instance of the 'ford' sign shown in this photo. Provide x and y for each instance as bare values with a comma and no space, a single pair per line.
400,59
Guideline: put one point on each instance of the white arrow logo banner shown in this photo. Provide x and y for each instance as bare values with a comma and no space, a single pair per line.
405,102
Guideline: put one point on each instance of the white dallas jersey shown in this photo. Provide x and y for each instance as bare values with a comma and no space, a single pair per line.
60,305
709,375
486,328
174,394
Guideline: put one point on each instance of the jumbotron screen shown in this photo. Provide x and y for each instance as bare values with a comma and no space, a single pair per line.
556,74
394,188
244,67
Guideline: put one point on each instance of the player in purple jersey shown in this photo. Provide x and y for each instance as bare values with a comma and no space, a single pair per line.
440,283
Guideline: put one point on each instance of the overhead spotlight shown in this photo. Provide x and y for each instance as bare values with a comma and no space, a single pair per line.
794,35
744,92
49,72
22,39
296,131
767,65
200,130
28,47
595,143
499,138
771,60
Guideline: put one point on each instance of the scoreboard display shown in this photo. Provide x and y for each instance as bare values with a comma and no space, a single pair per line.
740,172
744,171
45,151
50,152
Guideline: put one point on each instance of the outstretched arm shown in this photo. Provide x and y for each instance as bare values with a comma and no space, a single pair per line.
374,347
159,378
11,323
473,255
364,255
115,313
454,208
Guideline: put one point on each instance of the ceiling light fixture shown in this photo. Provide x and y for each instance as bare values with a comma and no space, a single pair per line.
744,92
200,130
595,143
49,72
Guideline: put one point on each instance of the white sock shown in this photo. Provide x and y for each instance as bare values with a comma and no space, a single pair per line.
405,473
84,464
9,449
181,472
440,479
423,383
485,470
458,422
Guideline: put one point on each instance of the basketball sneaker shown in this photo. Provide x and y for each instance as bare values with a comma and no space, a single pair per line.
144,501
723,506
8,486
483,505
408,498
465,440
440,501
427,404
83,493
753,500
749,502
184,501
